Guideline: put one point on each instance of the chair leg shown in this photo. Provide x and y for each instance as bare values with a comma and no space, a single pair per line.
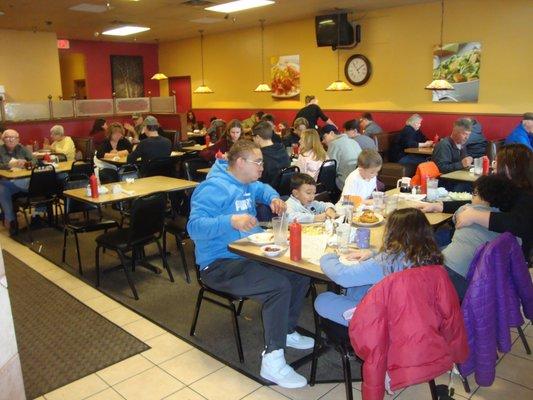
65,233
466,385
164,258
128,275
433,390
347,374
181,251
78,253
318,337
97,265
28,227
197,311
237,332
239,307
524,340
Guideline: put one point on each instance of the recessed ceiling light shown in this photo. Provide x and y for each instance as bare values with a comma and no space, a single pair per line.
125,30
93,8
239,5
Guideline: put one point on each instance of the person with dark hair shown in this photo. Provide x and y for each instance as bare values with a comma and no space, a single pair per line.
191,121
293,136
98,132
523,133
368,126
154,146
410,136
115,144
249,123
223,209
407,243
450,153
365,142
275,158
312,112
302,206
491,193
231,135
270,119
476,144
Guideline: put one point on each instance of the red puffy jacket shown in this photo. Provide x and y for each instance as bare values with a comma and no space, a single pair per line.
409,325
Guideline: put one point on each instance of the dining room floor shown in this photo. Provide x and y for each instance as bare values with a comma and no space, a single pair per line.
174,370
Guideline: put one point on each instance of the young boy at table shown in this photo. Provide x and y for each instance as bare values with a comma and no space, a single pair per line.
363,181
407,243
302,206
222,211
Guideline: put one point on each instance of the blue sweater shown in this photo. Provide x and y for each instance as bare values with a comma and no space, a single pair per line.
213,203
520,135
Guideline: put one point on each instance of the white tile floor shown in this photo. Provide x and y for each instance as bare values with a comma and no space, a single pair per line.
174,370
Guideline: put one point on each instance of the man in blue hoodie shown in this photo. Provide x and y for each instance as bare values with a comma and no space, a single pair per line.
222,211
523,133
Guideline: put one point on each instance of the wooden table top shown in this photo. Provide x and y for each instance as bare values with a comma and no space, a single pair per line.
140,187
247,249
426,151
204,170
463,175
119,161
196,147
17,173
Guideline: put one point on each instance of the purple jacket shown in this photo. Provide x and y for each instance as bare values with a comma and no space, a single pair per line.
498,281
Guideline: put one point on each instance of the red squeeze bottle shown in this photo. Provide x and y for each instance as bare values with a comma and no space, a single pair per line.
93,182
295,241
486,164
424,184
219,155
207,140
46,158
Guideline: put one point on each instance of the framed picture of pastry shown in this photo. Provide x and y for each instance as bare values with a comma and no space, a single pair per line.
459,64
285,77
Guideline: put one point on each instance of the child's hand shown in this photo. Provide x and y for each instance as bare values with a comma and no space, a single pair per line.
359,255
320,217
330,213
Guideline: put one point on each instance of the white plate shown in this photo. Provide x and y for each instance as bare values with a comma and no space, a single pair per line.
379,217
261,238
272,250
461,196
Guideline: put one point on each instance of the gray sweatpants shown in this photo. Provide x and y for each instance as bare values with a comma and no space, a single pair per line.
280,291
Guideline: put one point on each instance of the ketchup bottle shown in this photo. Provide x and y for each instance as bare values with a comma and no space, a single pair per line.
47,158
93,182
295,241
207,140
486,164
219,155
424,184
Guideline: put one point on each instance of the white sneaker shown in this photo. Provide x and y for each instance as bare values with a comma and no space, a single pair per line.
275,369
297,341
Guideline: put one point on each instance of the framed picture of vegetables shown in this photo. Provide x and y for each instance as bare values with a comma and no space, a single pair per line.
459,64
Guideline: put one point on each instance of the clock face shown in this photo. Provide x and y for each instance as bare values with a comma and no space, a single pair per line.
357,69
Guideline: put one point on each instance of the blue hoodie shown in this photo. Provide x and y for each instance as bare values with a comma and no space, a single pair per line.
213,203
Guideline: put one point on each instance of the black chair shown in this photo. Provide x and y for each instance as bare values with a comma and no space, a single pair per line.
86,224
191,166
326,177
128,171
147,218
163,166
178,228
283,182
185,143
81,168
108,175
42,191
231,299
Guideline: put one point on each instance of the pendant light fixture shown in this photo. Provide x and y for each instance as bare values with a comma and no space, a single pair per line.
263,86
202,89
159,76
338,85
440,84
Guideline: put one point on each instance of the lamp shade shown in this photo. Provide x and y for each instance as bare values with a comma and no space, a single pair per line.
263,87
440,84
203,89
338,86
159,76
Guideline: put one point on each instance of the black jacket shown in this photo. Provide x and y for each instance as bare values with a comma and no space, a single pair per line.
447,156
275,158
123,144
150,148
408,137
476,145
311,113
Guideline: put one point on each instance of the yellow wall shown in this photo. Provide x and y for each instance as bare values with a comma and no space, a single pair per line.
29,65
398,41
72,67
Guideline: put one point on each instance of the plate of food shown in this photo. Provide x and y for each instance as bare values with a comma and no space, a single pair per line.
367,218
272,250
460,196
261,238
285,80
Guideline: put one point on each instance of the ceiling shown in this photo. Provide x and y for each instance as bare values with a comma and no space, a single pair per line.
168,19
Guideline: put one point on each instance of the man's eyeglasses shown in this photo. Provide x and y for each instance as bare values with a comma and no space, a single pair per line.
11,137
259,163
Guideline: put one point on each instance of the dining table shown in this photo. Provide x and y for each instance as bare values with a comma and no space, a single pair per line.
196,147
19,173
424,151
204,170
462,175
123,160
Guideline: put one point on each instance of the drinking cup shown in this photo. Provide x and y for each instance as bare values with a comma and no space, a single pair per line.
391,203
279,228
348,213
478,166
362,238
343,236
378,201
432,189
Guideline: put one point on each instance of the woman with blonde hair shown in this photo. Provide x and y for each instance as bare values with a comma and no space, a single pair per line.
312,153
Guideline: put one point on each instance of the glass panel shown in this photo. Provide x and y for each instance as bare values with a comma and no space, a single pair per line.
163,104
63,109
94,107
27,111
133,105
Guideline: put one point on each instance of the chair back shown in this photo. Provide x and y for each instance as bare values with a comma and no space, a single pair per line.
82,168
162,166
147,217
190,169
128,171
43,182
428,168
170,135
492,148
326,176
60,157
384,142
185,143
108,175
85,145
77,181
284,180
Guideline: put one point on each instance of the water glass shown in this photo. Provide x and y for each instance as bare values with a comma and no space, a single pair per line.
362,238
279,228
378,201
348,213
478,166
343,237
432,189
391,203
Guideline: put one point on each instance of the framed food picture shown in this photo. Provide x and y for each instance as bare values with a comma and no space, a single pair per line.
459,64
285,75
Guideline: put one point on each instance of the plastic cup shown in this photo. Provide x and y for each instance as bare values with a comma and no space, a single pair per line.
378,201
279,228
391,204
348,213
478,166
362,238
343,237
432,189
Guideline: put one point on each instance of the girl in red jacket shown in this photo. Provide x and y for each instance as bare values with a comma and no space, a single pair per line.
408,241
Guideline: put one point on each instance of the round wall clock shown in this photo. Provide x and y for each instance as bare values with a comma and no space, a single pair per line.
357,69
